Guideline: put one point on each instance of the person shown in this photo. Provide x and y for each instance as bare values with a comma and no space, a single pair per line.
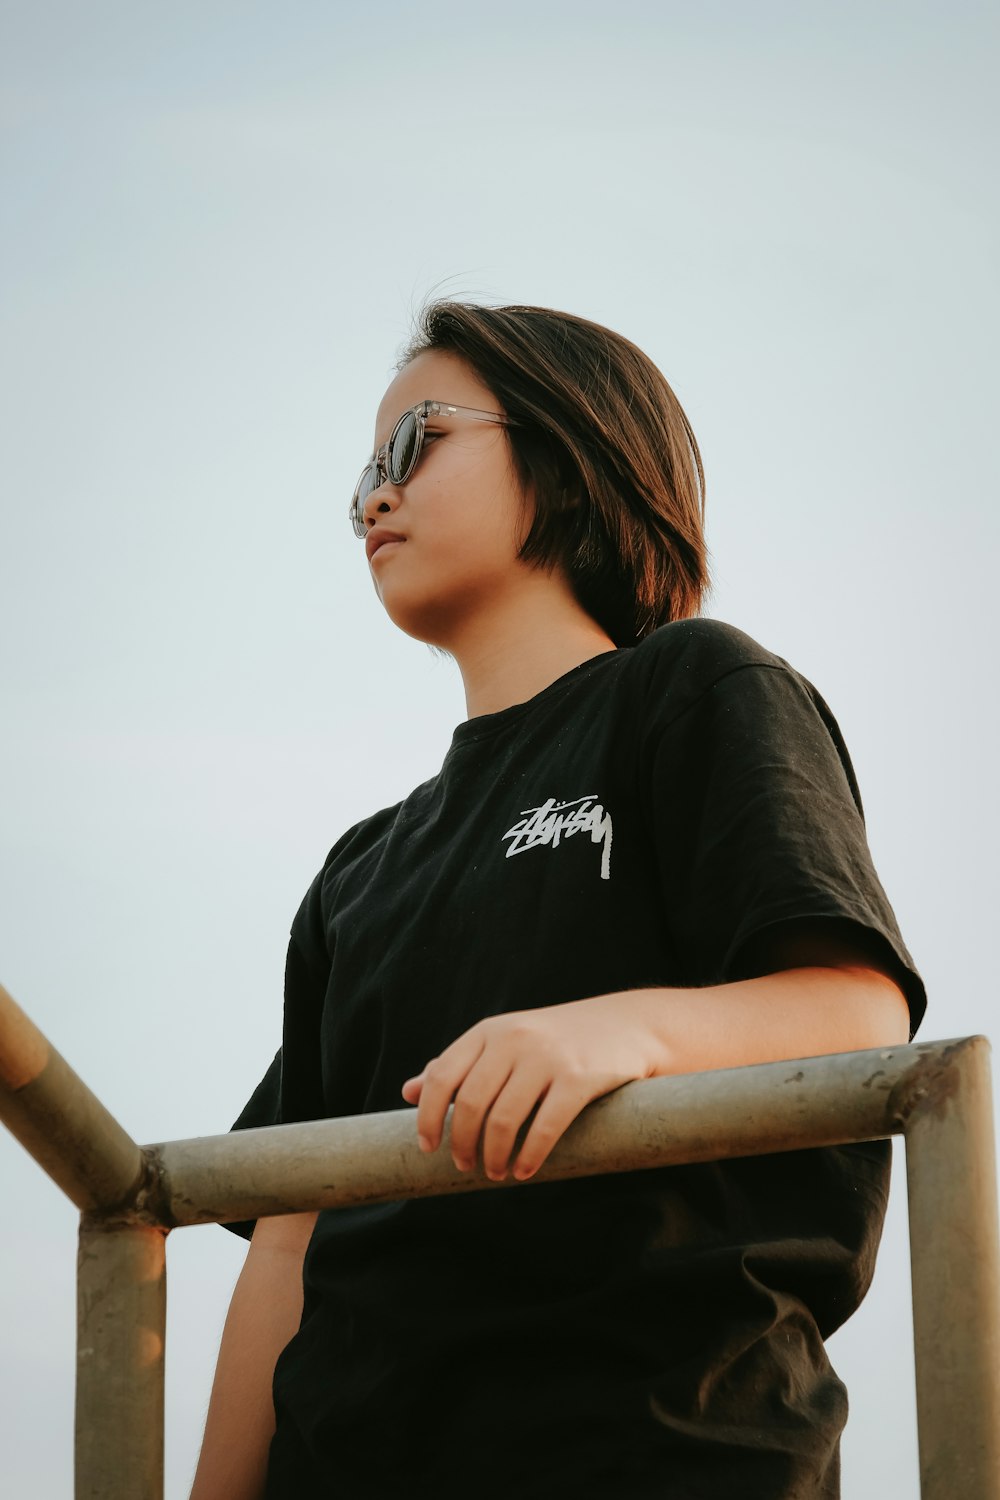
644,854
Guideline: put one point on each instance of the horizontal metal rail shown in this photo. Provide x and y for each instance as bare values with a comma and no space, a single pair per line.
937,1095
695,1117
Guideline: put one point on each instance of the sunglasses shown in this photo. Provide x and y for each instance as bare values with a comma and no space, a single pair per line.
398,455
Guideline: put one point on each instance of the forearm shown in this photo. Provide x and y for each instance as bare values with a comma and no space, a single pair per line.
823,987
802,1012
263,1316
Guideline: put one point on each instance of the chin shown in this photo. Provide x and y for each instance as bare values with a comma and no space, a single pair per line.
435,621
423,621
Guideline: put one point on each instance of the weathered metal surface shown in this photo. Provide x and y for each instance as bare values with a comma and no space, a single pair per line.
955,1269
121,1319
937,1094
55,1116
782,1106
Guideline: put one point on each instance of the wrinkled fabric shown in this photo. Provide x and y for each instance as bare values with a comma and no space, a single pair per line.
655,1333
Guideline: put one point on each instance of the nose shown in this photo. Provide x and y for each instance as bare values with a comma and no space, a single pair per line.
382,500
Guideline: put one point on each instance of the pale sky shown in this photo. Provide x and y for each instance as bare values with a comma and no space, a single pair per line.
219,220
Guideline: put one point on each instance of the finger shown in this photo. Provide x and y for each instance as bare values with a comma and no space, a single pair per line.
513,1104
411,1088
475,1098
558,1110
442,1077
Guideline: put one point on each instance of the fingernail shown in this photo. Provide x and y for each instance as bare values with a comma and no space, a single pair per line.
463,1166
425,1144
522,1172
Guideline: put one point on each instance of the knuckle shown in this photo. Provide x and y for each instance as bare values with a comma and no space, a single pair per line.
466,1105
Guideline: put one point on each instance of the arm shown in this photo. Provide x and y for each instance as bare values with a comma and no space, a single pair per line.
263,1316
817,993
820,991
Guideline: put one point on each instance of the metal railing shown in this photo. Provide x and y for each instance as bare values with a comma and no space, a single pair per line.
937,1095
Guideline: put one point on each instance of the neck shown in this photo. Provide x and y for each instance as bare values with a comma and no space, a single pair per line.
519,646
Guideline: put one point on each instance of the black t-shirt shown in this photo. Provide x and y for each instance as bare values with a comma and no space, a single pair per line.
636,1334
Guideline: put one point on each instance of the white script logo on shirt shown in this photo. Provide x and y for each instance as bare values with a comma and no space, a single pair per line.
555,820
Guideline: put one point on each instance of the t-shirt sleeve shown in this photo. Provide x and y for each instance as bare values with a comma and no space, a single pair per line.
758,822
292,1086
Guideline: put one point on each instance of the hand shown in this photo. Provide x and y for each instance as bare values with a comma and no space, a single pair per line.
559,1058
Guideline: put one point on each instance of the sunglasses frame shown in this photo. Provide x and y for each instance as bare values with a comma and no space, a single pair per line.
379,460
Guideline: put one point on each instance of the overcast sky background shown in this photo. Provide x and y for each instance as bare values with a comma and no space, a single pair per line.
218,222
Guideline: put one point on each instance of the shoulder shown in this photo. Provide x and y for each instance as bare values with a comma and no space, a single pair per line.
707,677
360,837
308,929
705,646
680,662
712,684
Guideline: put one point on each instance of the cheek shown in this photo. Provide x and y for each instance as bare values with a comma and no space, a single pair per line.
444,576
477,538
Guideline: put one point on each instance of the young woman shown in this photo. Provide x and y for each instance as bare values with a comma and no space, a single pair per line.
644,854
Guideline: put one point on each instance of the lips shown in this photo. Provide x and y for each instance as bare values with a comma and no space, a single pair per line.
376,537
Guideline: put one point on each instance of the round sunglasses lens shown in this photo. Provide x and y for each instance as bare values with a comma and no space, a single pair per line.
403,448
361,494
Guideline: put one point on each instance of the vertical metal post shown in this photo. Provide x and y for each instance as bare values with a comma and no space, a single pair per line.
121,1325
955,1261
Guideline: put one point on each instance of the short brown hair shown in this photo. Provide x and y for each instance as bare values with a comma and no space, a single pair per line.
607,450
